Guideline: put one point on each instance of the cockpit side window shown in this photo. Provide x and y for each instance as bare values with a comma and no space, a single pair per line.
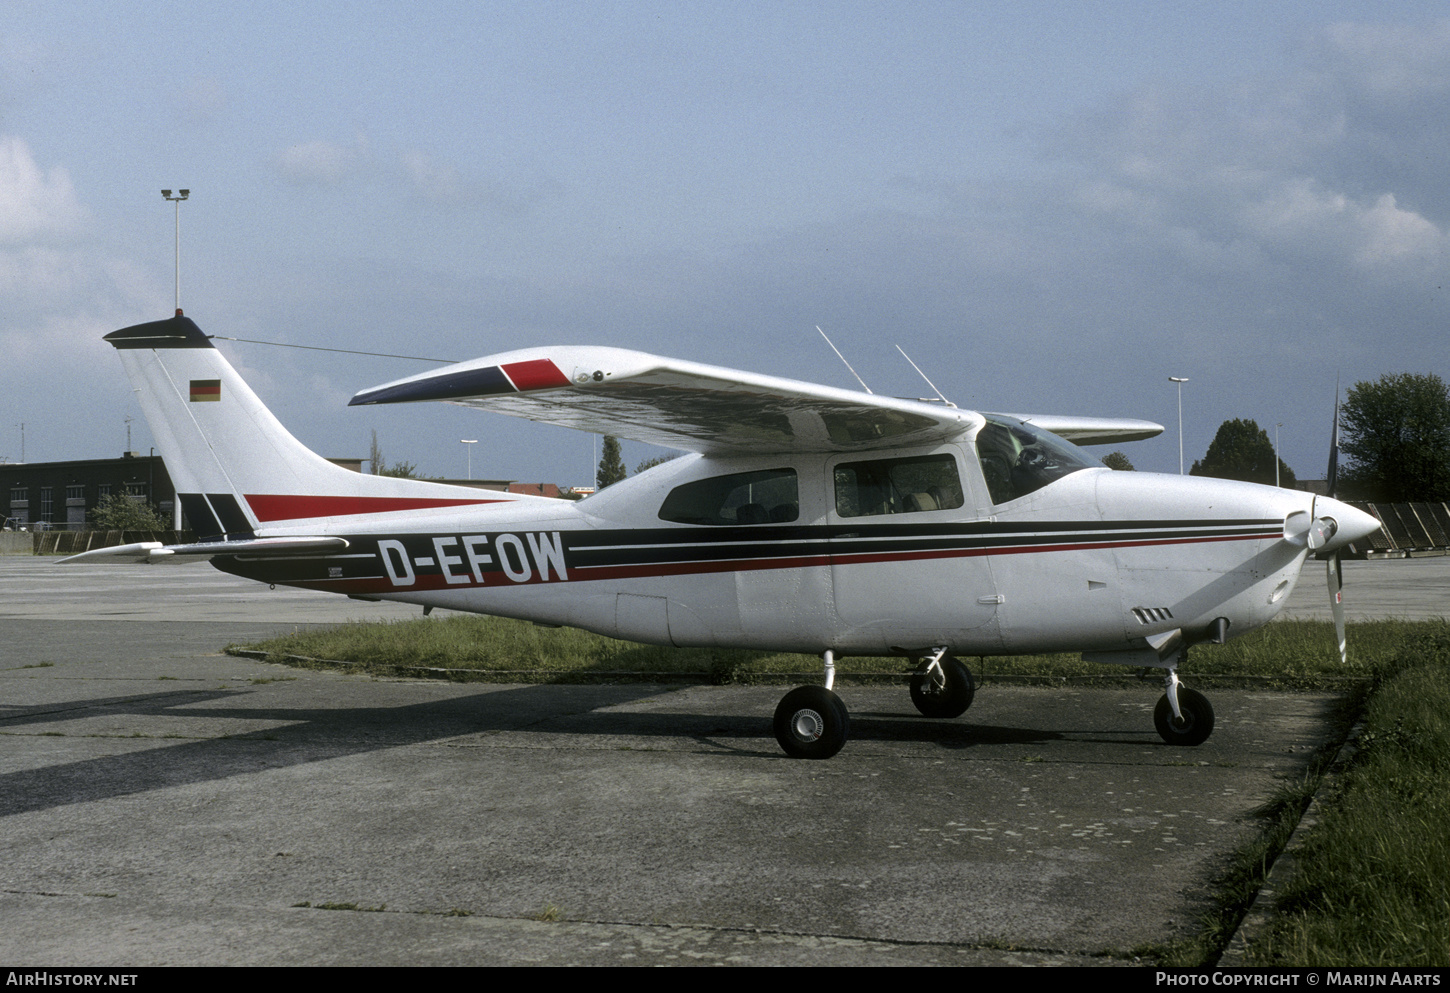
897,486
767,496
1018,459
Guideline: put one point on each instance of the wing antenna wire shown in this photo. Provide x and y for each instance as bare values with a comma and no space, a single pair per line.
923,376
843,360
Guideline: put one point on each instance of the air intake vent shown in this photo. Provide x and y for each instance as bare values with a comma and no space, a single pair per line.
1152,615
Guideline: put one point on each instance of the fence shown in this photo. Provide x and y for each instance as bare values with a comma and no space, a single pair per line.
1408,529
74,542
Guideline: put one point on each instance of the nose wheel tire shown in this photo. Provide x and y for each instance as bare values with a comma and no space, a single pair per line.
1197,721
945,694
811,722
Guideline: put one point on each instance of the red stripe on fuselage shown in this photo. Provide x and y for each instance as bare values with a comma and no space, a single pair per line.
428,583
287,507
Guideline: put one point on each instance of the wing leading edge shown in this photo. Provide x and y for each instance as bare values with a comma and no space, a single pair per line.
702,408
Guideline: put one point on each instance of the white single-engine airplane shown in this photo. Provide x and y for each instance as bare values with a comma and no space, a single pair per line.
808,519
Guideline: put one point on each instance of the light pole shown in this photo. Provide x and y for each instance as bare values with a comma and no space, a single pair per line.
1276,452
1180,381
469,441
181,195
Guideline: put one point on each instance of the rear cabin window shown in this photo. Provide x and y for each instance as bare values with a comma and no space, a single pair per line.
767,496
898,486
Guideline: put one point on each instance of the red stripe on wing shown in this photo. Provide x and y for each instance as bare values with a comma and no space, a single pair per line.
538,374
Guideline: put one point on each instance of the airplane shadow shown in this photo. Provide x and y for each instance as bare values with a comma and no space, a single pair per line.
314,735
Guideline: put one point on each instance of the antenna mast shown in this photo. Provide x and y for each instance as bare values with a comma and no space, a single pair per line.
923,376
843,360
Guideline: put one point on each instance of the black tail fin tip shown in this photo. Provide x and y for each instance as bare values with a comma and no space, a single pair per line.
174,332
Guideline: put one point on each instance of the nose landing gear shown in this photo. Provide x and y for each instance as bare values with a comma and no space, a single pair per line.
1183,716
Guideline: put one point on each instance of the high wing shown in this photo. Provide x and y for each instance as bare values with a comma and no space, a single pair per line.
677,404
703,408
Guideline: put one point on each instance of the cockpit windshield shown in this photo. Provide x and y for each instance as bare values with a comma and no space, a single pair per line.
1018,458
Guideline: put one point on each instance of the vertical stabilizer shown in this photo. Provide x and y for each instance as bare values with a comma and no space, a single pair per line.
235,467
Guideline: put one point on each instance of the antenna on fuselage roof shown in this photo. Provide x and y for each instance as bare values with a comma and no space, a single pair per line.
843,360
923,376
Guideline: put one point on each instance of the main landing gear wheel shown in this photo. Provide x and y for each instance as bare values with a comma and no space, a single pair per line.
945,694
1197,722
811,723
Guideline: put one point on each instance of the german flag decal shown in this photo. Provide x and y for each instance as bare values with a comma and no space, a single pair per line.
206,390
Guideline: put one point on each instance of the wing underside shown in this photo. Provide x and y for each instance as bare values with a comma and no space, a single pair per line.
701,408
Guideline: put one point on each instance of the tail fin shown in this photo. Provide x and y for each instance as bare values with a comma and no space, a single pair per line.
235,467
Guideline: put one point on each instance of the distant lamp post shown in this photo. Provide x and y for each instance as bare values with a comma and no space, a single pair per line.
469,441
1180,381
1276,452
180,196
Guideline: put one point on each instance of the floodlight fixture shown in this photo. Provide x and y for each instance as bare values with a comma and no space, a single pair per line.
1180,380
182,195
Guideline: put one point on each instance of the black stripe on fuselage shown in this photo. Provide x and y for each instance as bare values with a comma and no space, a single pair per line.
662,551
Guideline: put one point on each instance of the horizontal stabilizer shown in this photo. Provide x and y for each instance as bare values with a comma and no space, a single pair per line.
155,551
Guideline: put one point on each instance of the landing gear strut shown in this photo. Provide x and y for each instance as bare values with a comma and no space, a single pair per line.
811,722
941,686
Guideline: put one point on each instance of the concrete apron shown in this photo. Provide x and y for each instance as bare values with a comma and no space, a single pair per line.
163,804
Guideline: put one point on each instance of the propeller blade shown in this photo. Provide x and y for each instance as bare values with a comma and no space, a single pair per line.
1331,476
1336,604
1317,537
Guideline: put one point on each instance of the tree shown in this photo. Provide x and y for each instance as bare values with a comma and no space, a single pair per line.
401,470
1396,439
611,464
1242,450
1117,460
375,456
119,512
651,463
398,470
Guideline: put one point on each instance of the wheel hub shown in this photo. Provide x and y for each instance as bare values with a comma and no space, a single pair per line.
808,725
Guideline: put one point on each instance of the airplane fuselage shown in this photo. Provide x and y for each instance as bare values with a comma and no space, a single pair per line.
1096,561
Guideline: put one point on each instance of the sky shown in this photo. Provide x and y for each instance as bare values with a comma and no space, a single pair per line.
1051,207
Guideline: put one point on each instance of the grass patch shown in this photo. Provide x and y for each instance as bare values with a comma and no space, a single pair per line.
1285,654
1373,881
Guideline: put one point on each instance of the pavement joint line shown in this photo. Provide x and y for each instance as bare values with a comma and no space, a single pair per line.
739,929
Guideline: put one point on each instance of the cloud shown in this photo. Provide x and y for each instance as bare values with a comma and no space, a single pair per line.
509,193
322,163
431,178
1322,165
203,99
1395,61
59,289
35,205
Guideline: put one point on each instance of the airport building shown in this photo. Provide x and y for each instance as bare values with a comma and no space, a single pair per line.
44,495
